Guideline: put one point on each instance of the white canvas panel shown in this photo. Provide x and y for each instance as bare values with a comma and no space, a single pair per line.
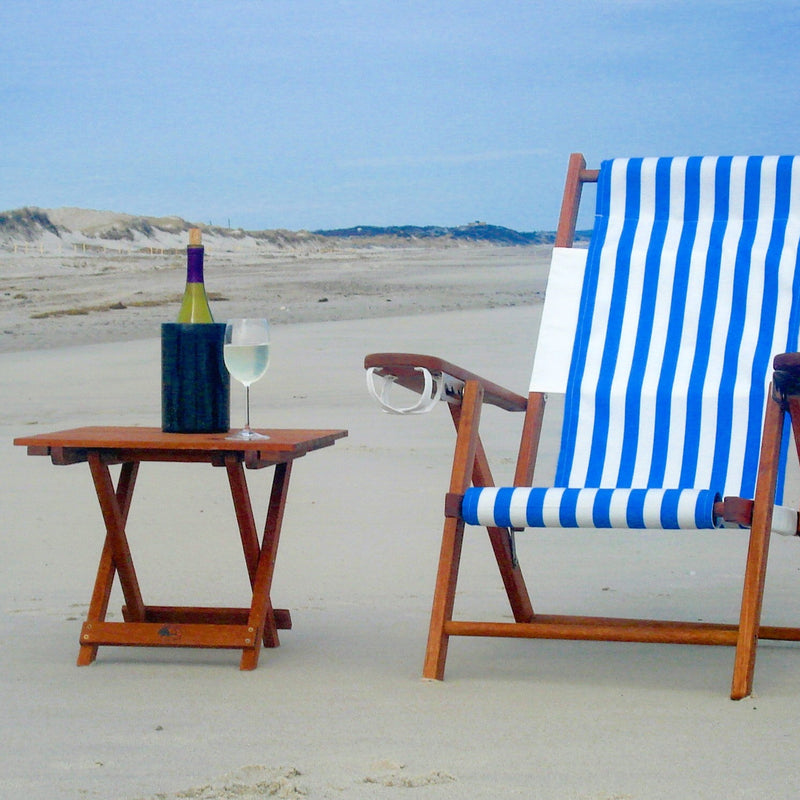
559,320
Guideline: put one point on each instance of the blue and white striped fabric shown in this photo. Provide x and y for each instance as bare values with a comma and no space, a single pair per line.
593,508
690,288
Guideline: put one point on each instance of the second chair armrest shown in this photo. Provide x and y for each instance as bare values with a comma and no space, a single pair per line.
786,361
786,378
401,366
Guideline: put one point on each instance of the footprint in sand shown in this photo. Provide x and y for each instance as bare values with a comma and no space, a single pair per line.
391,773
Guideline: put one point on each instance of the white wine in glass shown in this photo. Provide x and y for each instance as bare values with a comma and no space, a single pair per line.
246,353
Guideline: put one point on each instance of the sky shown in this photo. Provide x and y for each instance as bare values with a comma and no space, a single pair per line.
320,114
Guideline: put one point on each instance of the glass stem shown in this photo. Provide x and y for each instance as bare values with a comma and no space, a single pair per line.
247,406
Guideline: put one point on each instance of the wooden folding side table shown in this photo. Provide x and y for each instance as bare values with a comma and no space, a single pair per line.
182,626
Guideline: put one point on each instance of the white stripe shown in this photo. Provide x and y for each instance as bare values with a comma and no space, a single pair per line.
651,512
664,300
788,265
688,343
583,511
518,508
687,503
551,508
618,509
630,323
486,501
749,339
599,322
721,324
787,270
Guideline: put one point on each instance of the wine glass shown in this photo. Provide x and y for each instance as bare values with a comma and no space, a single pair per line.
246,354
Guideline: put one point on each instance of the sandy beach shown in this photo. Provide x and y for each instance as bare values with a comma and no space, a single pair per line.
339,710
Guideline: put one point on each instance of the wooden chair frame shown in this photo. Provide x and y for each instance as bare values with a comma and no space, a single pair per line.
470,466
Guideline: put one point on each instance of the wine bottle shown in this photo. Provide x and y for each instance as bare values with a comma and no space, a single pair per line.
194,307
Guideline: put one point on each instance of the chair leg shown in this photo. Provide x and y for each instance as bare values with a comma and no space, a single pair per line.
510,572
749,619
467,420
758,550
443,599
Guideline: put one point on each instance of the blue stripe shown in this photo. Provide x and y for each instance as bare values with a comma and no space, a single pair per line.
644,333
780,484
567,513
691,448
730,356
635,509
785,172
601,509
534,510
663,409
761,358
791,347
704,510
669,509
616,315
469,506
761,361
785,177
502,508
585,315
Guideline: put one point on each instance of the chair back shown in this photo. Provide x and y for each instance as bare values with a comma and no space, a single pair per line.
690,288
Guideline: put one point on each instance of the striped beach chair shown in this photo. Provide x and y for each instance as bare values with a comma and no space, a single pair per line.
673,339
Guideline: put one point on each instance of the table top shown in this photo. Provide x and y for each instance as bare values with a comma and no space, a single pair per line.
139,443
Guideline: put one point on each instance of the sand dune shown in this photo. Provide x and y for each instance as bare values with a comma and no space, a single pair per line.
50,299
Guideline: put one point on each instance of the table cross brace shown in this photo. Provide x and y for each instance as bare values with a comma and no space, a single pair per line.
185,626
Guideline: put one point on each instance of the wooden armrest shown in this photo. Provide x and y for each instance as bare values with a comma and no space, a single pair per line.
735,510
401,366
787,361
786,377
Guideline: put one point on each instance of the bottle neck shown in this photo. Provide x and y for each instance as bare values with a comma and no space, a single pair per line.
194,265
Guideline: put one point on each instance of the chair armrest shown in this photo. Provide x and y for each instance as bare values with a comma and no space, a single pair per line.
786,378
787,361
401,366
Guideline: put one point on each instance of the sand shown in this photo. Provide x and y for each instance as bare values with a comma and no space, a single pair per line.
63,295
339,710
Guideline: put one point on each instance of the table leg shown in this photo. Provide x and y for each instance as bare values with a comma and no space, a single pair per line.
262,604
115,504
244,514
242,628
260,558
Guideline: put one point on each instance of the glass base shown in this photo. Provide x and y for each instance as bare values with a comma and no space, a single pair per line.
247,435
